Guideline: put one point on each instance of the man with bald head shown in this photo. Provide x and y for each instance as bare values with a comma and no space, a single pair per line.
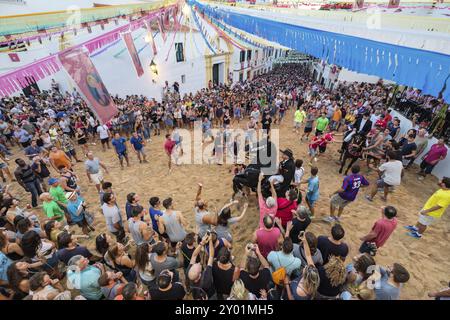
199,277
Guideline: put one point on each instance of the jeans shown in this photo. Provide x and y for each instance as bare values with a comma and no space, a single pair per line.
35,188
146,132
426,167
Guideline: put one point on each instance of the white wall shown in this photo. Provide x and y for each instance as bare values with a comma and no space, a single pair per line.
350,76
117,70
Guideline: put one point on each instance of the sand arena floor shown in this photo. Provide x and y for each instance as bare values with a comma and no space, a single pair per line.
428,259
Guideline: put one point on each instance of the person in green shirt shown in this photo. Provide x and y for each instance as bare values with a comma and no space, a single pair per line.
321,124
51,208
57,192
299,117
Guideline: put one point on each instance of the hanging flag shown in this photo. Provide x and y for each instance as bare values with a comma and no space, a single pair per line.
175,14
80,68
166,19
358,4
14,57
133,53
161,29
394,3
150,35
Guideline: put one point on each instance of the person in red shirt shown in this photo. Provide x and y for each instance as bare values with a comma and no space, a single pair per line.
286,206
169,146
314,144
381,231
324,140
387,117
438,152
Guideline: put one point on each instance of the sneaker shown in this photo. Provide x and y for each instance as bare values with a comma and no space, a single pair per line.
337,219
414,234
328,219
411,228
420,178
368,198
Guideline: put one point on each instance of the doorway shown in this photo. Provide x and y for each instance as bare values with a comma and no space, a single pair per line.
218,73
27,90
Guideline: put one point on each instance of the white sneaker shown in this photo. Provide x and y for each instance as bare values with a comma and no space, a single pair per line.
328,219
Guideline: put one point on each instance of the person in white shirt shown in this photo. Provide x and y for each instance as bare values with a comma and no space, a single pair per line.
50,112
104,134
299,172
391,172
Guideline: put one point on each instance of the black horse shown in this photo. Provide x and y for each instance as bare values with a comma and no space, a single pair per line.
353,151
263,156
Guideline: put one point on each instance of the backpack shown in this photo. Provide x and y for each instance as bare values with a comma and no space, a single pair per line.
279,275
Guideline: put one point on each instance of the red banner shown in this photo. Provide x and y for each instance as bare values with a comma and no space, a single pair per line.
133,53
166,19
358,4
81,69
394,3
150,34
175,13
14,57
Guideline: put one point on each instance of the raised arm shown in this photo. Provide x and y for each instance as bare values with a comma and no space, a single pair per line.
199,192
308,257
243,212
211,252
280,225
261,258
288,288
272,189
198,250
258,189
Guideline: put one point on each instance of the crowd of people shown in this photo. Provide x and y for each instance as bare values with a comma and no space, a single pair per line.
150,253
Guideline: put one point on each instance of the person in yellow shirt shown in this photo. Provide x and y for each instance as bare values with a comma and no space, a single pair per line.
336,118
299,117
350,118
433,209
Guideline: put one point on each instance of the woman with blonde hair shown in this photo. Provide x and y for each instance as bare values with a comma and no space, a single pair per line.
240,292
332,278
305,287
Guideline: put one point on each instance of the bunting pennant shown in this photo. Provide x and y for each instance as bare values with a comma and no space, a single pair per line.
133,53
161,29
14,81
358,54
173,40
150,35
166,20
80,68
174,15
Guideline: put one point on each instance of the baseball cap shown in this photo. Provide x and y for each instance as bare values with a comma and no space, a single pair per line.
53,180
